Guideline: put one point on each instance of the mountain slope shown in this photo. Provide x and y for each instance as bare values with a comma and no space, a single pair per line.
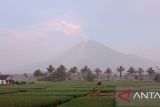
92,54
95,54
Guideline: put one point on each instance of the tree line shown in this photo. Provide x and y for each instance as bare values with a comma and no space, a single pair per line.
61,73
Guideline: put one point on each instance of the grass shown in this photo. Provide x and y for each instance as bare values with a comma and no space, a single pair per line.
42,94
91,102
31,101
65,94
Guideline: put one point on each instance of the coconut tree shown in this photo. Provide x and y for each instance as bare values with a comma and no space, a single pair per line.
25,75
97,71
73,70
84,72
60,73
108,71
120,69
150,72
37,73
131,71
140,72
50,70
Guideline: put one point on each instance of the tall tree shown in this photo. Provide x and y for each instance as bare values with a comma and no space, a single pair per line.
73,70
97,71
108,71
50,70
150,72
157,77
37,73
140,72
83,71
25,75
86,73
131,71
89,76
120,70
60,73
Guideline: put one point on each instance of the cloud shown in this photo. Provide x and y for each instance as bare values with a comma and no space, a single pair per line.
68,28
20,36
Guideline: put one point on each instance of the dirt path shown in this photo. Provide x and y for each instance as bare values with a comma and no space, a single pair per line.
97,93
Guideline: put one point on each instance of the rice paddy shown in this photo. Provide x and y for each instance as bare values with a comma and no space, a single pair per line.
64,94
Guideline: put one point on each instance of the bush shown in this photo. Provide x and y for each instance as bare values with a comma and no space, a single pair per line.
16,82
23,82
90,76
19,82
31,82
157,77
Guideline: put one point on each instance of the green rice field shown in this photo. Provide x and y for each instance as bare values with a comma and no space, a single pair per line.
65,94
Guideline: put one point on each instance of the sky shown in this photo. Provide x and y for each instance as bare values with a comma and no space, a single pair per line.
36,30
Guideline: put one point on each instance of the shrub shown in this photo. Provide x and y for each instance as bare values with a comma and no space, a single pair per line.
31,82
16,82
19,82
23,82
157,77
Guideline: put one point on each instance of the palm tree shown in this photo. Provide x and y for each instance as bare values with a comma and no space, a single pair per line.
37,73
60,73
73,70
97,71
84,71
108,71
120,70
25,75
131,71
50,70
140,71
150,71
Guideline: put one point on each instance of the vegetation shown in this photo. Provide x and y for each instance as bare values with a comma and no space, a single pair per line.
131,72
61,73
108,72
140,71
157,77
150,72
50,70
42,94
37,73
120,70
62,87
97,71
71,72
65,93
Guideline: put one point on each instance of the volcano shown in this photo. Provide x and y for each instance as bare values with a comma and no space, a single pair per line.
94,54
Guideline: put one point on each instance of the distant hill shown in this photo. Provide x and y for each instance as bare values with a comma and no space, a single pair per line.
93,54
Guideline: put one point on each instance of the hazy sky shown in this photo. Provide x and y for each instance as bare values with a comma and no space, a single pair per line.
37,30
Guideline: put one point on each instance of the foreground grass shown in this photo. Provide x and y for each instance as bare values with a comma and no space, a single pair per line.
42,94
32,101
65,94
96,101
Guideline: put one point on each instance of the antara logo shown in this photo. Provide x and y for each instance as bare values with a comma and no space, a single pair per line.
146,95
125,95
128,96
